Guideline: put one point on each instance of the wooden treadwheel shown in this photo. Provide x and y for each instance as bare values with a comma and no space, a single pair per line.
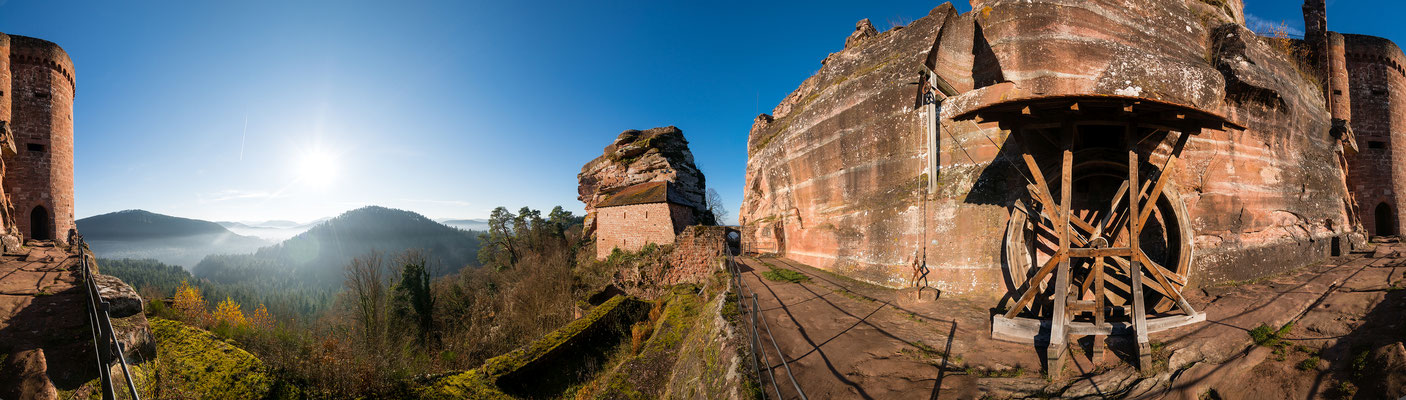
1101,243
1114,247
1099,201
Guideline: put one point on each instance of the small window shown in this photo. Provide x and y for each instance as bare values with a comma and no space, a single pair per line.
35,147
41,95
1376,145
1379,92
1335,93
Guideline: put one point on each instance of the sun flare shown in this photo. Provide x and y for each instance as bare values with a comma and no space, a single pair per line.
317,168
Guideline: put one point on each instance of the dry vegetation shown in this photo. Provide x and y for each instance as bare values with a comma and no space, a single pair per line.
392,325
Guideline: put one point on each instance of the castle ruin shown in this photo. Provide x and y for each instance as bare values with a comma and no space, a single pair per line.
36,138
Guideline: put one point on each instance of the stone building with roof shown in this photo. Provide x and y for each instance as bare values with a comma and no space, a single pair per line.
649,212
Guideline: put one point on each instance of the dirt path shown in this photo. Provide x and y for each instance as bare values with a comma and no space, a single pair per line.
848,339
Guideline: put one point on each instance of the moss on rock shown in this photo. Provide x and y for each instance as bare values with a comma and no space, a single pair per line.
194,362
549,365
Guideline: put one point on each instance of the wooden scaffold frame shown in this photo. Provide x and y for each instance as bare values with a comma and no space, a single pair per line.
1086,258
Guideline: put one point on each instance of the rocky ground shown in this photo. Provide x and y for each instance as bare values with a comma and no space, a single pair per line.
46,344
1329,331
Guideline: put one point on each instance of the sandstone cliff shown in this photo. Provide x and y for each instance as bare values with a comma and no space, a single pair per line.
837,175
654,155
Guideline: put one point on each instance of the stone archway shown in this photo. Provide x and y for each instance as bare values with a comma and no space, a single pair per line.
1386,220
39,224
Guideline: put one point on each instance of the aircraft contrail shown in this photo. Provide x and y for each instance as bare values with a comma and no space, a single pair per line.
243,135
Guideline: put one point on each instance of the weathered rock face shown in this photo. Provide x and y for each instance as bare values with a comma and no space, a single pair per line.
654,155
837,176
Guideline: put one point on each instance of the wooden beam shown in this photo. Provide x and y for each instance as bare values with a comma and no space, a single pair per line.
1087,252
1098,353
1032,285
1060,317
1175,294
1134,268
1147,283
1162,179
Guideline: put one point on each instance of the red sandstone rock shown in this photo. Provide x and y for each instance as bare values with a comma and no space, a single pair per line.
837,173
27,373
654,155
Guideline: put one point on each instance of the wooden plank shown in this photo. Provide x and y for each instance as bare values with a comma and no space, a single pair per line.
1139,314
1175,294
1034,331
1058,338
1088,252
1162,179
1147,282
1099,319
1048,203
1175,277
1112,208
1032,286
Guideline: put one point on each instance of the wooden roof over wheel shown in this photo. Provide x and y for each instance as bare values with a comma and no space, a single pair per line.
1094,109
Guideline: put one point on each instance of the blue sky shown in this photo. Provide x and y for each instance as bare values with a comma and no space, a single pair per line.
253,110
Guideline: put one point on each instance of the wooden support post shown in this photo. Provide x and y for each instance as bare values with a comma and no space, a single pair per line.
1098,347
1055,354
1144,349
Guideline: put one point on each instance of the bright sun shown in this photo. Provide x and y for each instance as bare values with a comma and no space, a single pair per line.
317,168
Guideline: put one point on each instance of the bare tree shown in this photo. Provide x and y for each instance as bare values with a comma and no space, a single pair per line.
715,206
366,279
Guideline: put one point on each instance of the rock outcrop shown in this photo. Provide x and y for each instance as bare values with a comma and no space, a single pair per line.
654,155
838,174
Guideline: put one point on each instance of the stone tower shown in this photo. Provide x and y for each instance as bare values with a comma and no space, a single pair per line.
37,107
1377,77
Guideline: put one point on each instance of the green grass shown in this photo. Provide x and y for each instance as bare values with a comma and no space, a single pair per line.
1309,364
1016,372
1265,335
785,275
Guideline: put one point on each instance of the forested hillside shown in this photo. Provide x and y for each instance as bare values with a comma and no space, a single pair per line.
314,259
142,234
372,323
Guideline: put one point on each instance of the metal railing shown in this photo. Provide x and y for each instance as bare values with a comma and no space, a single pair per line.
753,311
105,343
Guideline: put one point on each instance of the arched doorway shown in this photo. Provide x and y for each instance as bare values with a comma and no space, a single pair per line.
39,224
1386,220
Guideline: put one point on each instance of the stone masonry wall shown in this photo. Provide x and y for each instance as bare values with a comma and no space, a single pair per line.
1378,92
41,173
629,227
698,253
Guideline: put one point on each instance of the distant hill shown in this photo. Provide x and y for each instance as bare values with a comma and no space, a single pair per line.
172,240
467,224
318,256
275,230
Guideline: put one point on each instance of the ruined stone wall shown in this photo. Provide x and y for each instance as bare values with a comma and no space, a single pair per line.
698,253
630,227
1378,92
837,177
40,174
